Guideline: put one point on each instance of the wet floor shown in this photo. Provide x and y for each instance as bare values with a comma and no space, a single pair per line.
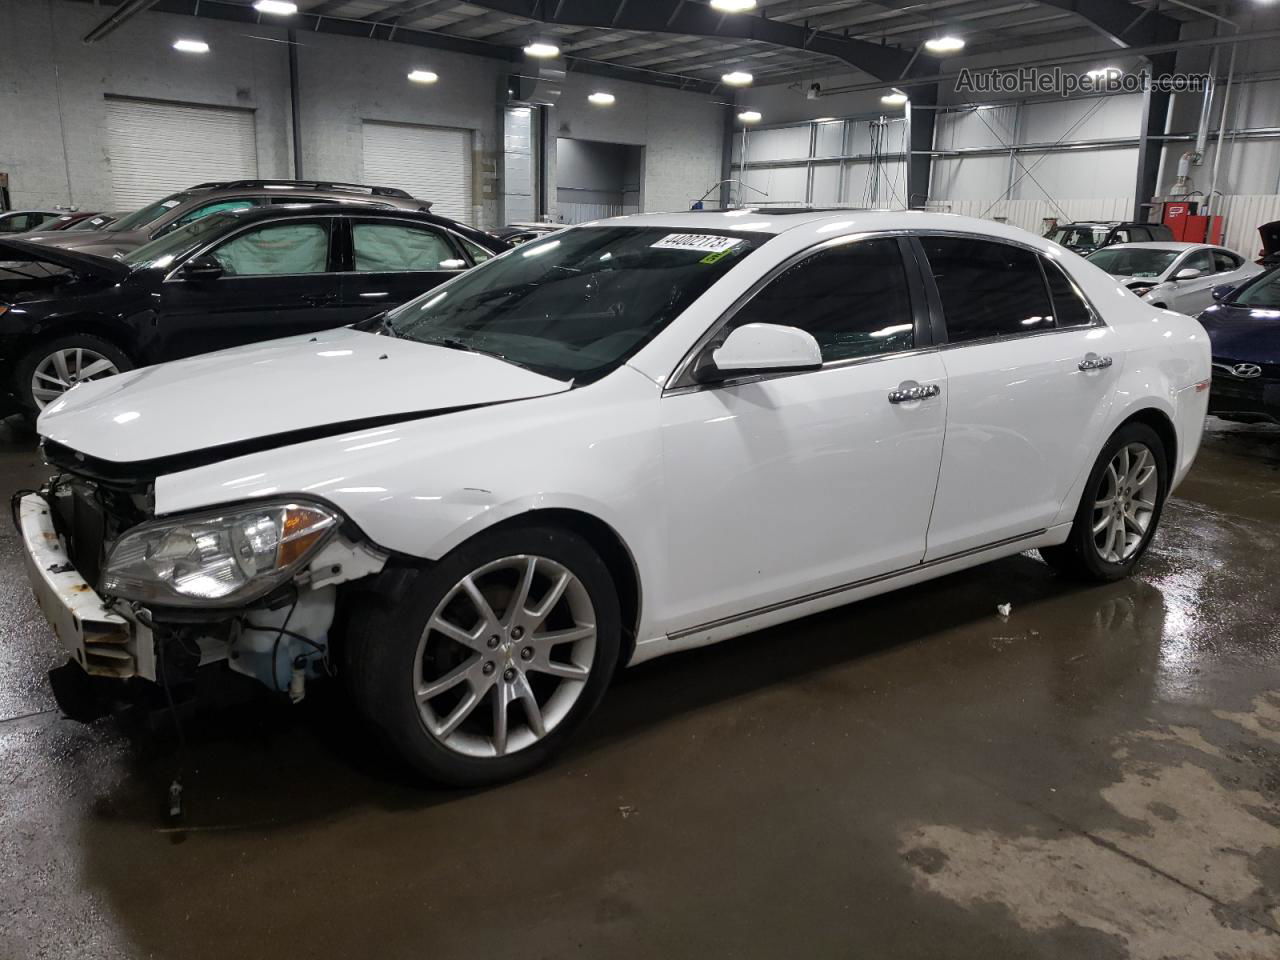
1098,775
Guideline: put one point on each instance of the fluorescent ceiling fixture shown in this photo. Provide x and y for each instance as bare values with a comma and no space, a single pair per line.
823,120
1102,72
750,116
191,46
423,76
600,98
279,7
540,48
733,6
945,44
737,78
895,99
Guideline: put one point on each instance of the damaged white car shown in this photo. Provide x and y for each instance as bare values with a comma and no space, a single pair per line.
630,438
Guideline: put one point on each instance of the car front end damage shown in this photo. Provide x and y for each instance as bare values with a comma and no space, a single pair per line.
140,602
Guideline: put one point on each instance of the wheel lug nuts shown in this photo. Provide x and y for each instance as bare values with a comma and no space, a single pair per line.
492,642
526,653
517,633
488,668
509,674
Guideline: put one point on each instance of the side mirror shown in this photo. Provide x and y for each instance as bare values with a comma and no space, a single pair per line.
1223,291
1188,273
201,269
760,348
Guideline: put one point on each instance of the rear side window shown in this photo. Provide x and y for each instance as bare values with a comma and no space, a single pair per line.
852,298
988,289
1201,260
390,247
1225,262
1070,309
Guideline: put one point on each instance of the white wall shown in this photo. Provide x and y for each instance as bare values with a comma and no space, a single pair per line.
52,85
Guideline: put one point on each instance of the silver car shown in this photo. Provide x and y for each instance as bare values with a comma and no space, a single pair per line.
1176,276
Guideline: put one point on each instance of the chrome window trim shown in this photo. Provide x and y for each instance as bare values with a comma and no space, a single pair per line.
681,380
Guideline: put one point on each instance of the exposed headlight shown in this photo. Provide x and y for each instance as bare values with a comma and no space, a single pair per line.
216,559
1142,289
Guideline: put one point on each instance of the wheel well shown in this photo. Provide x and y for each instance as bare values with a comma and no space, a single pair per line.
89,324
612,550
1163,427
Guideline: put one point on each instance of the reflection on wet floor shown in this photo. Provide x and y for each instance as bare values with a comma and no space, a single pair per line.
1098,775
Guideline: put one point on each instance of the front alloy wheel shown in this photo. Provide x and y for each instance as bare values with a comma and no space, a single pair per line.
505,656
478,667
63,369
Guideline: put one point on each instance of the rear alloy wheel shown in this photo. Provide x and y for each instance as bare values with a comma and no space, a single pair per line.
479,668
52,369
1120,508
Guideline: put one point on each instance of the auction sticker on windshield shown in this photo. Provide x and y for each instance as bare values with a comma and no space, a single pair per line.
698,242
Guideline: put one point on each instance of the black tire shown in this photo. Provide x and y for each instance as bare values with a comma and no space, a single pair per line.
26,367
382,648
1080,557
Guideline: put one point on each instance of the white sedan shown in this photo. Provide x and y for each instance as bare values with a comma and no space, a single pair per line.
631,438
1177,276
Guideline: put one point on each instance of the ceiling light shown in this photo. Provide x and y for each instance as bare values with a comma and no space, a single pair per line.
823,120
895,99
542,49
733,6
280,8
423,76
737,78
944,44
750,116
1102,73
602,99
191,46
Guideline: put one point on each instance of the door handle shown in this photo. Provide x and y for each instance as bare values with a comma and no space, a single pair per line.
320,299
909,392
1094,362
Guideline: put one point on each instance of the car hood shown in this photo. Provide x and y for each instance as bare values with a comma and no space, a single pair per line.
267,395
1243,334
1270,233
78,261
104,243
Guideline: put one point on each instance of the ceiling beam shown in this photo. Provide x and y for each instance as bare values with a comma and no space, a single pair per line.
699,20
1121,22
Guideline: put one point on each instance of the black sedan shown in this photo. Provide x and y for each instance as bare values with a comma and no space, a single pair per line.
1244,328
227,279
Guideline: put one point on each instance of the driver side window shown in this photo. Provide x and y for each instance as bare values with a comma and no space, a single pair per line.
852,298
279,249
198,213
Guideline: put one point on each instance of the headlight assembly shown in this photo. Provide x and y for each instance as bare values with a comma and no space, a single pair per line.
1142,289
216,559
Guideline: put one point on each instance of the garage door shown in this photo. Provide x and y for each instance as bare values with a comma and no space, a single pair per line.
158,148
432,163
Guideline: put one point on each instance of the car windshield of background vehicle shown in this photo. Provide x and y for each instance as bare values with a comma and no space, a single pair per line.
1264,293
575,306
140,218
1079,238
1134,263
163,251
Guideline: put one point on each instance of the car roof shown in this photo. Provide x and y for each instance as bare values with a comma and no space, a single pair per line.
363,208
1173,245
52,213
823,222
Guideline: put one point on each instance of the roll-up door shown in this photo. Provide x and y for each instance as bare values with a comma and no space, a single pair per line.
157,148
432,163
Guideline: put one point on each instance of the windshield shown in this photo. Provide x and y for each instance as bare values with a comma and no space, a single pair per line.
1079,238
140,218
175,244
1134,262
95,223
577,305
1263,292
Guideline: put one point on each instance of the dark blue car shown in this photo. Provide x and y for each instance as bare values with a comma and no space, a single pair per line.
1244,328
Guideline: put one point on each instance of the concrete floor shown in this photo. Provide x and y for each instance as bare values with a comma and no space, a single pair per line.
1098,776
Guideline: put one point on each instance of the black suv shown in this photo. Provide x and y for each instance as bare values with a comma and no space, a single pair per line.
232,277
1085,238
179,209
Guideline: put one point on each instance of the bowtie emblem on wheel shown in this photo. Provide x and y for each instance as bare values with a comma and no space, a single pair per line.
1247,371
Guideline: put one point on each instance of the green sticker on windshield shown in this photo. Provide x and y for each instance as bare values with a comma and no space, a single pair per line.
716,257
